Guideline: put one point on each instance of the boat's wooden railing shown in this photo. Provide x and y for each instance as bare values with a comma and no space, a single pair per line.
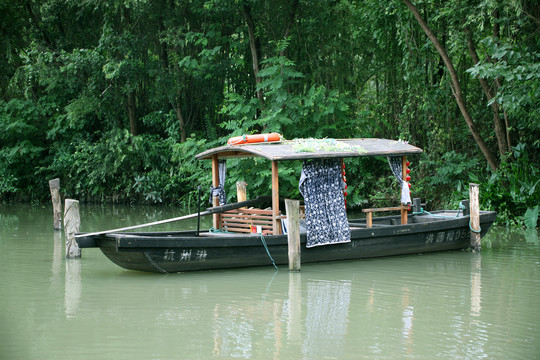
244,220
369,213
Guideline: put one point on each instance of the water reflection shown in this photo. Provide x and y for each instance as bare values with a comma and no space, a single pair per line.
327,316
447,305
72,294
476,284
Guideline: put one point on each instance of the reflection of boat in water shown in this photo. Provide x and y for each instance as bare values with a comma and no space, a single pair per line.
235,245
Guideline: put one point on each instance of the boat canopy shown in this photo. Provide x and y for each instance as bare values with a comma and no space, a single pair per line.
304,149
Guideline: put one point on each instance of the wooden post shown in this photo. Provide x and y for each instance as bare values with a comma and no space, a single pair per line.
72,224
215,182
466,207
417,205
54,186
475,217
404,177
241,191
369,219
275,198
293,233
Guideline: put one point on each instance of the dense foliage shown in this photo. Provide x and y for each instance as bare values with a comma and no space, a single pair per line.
115,97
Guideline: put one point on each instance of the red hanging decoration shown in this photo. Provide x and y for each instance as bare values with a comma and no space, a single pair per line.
345,181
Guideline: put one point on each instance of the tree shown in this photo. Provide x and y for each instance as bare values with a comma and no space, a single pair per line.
456,90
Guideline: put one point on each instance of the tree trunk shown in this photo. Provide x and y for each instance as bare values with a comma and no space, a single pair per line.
500,131
290,23
131,113
180,117
456,90
253,47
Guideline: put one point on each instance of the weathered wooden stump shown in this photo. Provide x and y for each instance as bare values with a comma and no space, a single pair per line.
293,233
72,224
54,186
475,217
241,191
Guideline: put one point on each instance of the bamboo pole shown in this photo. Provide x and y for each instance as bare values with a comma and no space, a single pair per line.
475,216
293,233
54,186
209,211
72,224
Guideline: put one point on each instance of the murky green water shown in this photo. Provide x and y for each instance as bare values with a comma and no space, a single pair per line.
454,305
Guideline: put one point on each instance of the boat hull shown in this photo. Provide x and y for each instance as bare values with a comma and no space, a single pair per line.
172,252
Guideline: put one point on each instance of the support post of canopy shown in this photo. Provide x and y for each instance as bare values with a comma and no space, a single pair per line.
404,177
215,183
275,198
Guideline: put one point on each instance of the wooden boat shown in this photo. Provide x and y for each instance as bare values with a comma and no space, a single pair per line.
169,252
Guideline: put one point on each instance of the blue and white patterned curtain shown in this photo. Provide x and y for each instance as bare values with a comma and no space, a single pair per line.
397,169
220,189
321,185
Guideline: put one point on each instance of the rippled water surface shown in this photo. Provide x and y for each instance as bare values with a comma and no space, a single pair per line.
452,305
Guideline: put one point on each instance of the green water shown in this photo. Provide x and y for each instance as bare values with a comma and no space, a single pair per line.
453,305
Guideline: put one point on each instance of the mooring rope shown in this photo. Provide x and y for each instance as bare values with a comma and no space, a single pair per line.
268,251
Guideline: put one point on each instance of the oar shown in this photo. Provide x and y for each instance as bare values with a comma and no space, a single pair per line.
209,211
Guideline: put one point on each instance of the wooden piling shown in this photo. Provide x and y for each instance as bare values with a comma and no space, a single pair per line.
292,207
54,186
72,224
474,216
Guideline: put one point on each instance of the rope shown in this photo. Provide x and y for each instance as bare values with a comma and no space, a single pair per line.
268,251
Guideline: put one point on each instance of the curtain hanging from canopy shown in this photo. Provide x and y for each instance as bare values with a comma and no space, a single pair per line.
397,169
322,186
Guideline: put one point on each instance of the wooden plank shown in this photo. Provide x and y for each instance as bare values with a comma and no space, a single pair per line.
275,198
249,211
247,216
396,208
246,223
369,219
237,222
248,220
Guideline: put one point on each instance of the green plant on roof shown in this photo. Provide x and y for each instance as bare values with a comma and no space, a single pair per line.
327,145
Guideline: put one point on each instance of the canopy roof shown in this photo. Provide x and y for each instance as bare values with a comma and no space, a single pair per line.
303,149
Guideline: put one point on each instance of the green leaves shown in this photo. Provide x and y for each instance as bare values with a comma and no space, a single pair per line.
531,217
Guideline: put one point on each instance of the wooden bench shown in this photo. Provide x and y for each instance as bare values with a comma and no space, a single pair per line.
369,213
243,220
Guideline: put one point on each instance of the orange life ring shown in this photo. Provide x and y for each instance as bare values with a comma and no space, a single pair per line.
253,139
